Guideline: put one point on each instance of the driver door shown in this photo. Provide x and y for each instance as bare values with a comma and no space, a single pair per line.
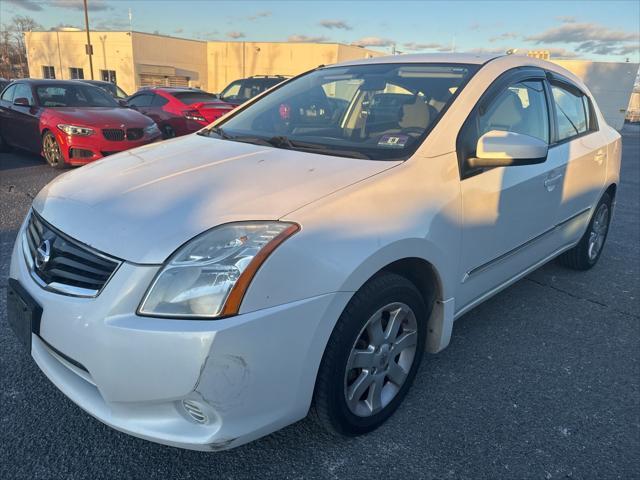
508,212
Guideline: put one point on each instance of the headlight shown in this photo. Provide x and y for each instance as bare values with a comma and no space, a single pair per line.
152,130
75,130
208,276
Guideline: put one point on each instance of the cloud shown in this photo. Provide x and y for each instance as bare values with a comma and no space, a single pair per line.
26,4
588,37
504,36
337,24
94,5
110,24
259,15
562,53
475,26
307,39
424,46
373,42
178,30
566,19
235,35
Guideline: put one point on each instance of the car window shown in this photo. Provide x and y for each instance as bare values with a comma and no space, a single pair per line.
76,95
7,95
570,113
24,91
189,98
120,93
520,108
143,100
158,101
231,91
380,111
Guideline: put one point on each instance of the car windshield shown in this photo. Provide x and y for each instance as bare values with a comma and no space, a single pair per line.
379,111
189,98
61,95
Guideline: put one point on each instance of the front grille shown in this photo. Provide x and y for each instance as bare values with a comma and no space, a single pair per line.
61,264
113,134
134,133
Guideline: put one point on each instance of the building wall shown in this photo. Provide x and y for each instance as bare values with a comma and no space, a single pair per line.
611,84
62,50
228,61
175,56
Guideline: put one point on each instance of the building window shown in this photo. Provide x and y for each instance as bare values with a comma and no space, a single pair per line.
48,71
76,73
108,76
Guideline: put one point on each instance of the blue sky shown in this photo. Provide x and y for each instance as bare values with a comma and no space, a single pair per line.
597,30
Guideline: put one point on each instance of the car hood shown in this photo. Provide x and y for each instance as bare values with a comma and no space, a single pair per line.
142,204
103,117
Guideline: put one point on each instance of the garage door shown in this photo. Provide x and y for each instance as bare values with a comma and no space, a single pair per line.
148,80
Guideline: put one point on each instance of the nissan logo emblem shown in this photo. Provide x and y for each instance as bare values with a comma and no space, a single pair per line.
43,254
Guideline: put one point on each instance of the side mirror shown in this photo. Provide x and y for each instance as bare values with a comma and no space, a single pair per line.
21,101
122,103
507,149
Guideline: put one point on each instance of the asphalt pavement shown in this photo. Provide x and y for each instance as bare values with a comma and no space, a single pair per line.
542,382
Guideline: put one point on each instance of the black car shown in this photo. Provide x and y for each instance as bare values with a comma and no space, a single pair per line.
3,83
111,88
239,91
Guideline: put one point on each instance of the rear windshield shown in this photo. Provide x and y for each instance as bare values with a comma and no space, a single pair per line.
61,95
379,111
245,89
189,98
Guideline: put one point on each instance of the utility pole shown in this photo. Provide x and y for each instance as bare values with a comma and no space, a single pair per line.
88,47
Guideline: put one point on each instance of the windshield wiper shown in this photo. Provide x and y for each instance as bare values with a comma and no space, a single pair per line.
281,141
218,131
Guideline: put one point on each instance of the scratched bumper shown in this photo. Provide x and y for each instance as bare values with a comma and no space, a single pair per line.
252,374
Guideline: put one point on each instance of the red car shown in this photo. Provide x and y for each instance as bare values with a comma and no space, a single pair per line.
178,111
68,122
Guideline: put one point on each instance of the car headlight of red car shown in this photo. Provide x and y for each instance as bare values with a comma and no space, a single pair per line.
75,130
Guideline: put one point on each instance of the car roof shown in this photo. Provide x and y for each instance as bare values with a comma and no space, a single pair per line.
464,58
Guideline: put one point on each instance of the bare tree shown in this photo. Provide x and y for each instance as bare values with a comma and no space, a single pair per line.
13,54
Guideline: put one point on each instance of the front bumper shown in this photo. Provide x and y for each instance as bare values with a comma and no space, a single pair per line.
250,374
78,150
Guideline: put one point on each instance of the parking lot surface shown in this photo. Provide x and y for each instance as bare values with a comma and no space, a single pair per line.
542,381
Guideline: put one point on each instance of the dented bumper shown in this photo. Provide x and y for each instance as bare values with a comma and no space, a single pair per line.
249,375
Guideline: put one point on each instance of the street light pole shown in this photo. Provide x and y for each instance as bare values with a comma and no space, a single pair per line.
88,47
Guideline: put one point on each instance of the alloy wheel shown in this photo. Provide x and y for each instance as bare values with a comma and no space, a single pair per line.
598,231
380,359
51,150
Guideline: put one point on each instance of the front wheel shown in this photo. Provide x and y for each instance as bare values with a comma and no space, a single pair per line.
372,356
51,150
588,250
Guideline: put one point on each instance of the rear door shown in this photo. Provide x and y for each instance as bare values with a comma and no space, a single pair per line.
508,212
583,148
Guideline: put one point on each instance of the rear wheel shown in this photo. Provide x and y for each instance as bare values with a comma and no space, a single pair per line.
51,150
372,356
168,132
587,252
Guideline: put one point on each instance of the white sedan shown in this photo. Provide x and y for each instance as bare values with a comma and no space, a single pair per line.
302,253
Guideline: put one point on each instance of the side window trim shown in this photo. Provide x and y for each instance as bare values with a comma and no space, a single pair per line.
563,82
510,77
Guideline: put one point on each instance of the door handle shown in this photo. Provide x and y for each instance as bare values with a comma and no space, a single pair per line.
551,182
600,156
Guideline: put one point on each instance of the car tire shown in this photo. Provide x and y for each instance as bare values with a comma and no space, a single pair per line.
341,403
51,151
168,132
588,250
